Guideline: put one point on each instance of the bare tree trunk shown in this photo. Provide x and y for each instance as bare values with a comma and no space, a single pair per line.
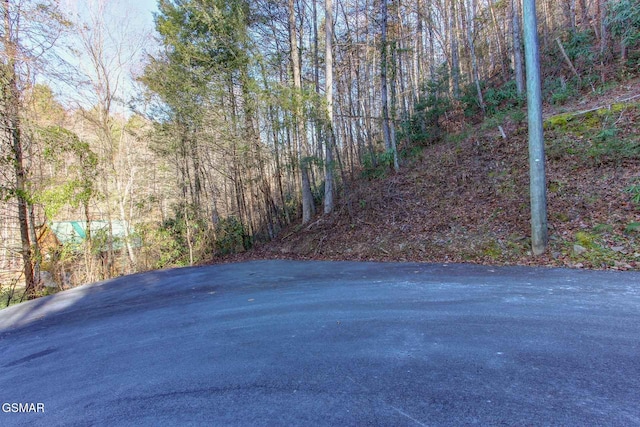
547,22
604,38
35,247
418,54
399,69
432,54
517,47
318,122
584,14
569,11
88,259
328,87
386,130
308,209
472,50
455,60
392,127
500,39
567,59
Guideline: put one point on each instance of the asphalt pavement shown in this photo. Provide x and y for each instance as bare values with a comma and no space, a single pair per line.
293,343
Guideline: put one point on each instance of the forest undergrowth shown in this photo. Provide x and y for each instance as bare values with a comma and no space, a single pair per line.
465,198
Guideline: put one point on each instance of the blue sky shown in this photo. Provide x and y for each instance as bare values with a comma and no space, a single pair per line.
142,9
127,38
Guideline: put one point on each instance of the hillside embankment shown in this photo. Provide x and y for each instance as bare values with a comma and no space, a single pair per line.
465,198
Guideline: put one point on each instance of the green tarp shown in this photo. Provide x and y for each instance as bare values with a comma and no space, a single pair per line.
75,232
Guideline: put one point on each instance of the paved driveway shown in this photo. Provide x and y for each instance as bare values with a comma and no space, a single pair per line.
328,343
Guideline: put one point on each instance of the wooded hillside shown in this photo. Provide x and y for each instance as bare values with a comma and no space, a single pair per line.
254,121
465,198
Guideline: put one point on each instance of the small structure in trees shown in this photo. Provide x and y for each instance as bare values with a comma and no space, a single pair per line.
63,244
104,234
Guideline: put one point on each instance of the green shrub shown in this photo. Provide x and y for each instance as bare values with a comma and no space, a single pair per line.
603,228
559,90
634,191
231,236
607,147
377,165
633,227
585,239
623,20
423,127
579,47
177,241
162,246
495,98
10,293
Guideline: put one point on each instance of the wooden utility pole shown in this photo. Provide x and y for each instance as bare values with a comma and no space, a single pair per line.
538,184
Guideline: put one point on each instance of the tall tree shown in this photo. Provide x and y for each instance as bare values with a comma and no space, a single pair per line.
328,165
387,125
517,46
29,32
10,98
455,55
471,17
208,90
308,208
111,51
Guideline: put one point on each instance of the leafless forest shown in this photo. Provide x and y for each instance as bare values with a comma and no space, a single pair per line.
234,119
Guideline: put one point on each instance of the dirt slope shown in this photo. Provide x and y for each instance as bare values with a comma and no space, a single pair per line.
466,199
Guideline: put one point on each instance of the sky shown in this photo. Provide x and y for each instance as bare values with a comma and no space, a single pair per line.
141,11
128,38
